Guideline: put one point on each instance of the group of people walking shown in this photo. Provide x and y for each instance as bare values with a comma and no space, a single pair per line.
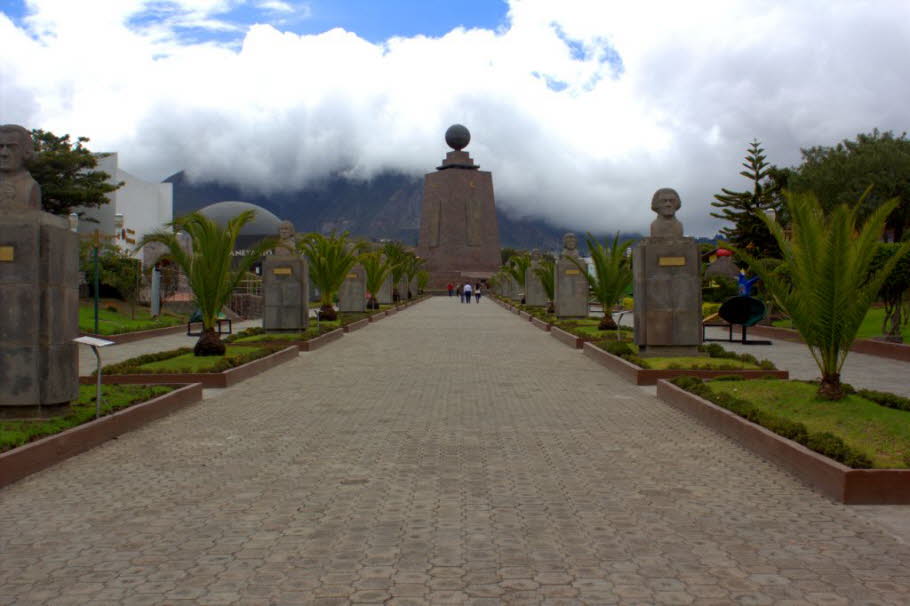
464,291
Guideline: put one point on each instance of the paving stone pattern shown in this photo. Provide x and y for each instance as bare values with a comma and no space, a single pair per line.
448,454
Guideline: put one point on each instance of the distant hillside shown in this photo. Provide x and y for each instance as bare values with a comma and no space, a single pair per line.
387,206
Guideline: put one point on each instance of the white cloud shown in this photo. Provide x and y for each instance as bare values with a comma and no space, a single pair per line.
694,83
276,6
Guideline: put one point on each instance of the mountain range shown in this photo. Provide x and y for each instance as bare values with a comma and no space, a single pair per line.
386,206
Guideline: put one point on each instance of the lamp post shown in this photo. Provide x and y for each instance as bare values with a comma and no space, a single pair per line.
95,343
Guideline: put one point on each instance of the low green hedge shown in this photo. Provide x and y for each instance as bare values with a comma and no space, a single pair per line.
137,365
629,352
823,443
113,398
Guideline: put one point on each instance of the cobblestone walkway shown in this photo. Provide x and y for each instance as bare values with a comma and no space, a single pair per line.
449,454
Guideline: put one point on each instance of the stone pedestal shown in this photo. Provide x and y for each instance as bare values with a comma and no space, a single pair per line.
285,286
667,289
384,296
39,314
534,291
352,296
571,292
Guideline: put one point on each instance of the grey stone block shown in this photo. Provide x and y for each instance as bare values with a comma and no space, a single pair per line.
384,296
571,296
39,297
285,286
667,289
352,296
534,291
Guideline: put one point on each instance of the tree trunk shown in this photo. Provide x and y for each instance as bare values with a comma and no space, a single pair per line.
209,344
831,388
328,313
894,333
607,322
372,303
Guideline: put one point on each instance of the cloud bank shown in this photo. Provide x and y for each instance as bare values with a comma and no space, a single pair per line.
580,108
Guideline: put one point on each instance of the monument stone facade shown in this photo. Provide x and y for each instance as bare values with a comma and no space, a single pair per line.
285,285
39,292
352,296
667,284
571,292
534,291
384,296
459,232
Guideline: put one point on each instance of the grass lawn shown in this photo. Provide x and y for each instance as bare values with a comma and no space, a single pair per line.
589,330
700,363
870,328
882,433
114,397
112,323
187,362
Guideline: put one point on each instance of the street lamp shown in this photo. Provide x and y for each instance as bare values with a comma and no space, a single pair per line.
95,343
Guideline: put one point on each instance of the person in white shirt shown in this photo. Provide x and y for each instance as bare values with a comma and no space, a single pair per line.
467,292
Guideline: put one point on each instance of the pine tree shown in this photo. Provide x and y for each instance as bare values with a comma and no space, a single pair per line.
65,172
743,208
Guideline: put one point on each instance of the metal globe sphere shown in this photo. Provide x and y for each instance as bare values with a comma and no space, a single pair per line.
458,137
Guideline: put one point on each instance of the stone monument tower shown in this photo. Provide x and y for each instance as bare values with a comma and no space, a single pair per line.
667,284
39,292
459,233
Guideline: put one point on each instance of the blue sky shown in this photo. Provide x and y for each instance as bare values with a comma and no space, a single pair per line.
373,20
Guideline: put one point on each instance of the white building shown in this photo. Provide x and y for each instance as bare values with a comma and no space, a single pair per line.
137,208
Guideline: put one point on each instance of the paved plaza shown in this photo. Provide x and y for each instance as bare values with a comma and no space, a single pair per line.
449,454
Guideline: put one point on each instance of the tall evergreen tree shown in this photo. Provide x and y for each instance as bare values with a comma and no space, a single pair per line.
65,170
742,208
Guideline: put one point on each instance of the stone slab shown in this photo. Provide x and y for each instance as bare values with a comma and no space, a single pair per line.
571,294
667,290
285,286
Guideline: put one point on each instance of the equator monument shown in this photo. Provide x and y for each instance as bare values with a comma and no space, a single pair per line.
459,232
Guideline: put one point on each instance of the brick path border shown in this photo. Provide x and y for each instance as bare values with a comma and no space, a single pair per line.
837,481
25,460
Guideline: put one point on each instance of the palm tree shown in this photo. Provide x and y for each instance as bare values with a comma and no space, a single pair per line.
412,266
207,266
330,258
517,268
612,274
546,273
423,278
397,256
824,283
376,267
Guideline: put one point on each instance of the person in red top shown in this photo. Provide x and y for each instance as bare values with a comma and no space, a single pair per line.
451,288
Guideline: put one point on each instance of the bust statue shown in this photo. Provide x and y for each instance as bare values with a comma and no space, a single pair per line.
570,245
18,190
665,203
287,245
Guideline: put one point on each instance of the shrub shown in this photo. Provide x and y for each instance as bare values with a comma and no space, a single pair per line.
824,443
888,400
716,351
620,348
